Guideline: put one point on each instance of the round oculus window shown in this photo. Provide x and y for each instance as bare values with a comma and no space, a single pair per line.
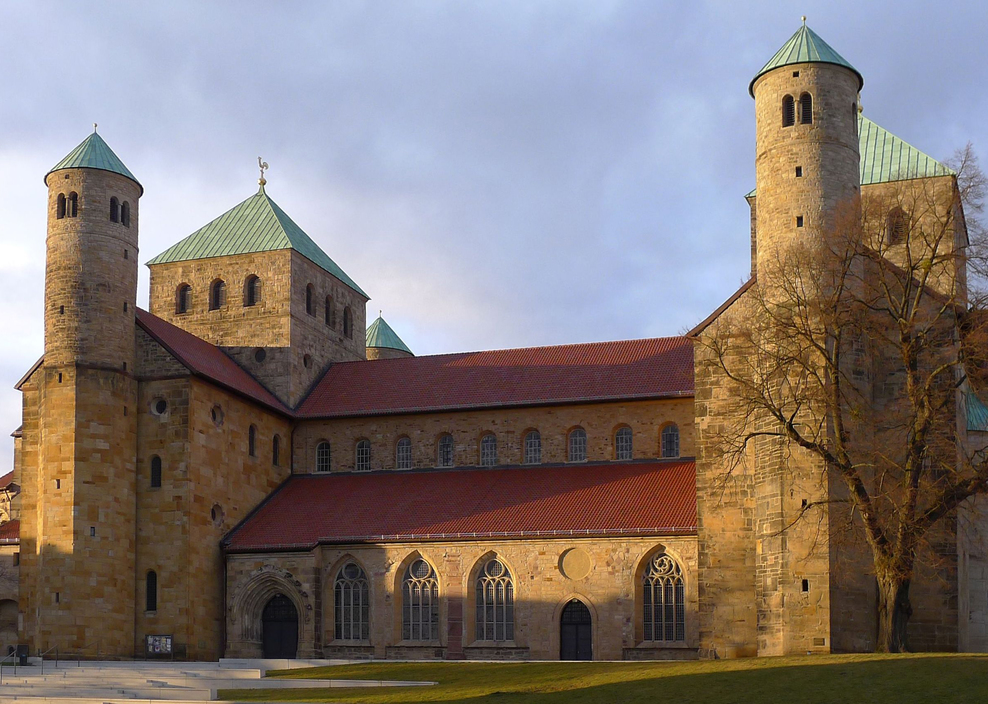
260,355
160,406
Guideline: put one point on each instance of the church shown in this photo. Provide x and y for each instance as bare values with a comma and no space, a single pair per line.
249,469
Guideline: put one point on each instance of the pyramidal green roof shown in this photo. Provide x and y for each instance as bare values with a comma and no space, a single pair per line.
804,47
380,334
977,413
94,153
255,225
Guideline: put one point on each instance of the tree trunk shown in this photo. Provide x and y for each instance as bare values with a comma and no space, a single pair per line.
894,611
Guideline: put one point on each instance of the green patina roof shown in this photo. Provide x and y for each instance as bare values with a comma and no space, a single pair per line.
255,225
380,334
94,153
977,413
804,47
885,158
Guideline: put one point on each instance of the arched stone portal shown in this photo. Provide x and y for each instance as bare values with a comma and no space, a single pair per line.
576,632
279,628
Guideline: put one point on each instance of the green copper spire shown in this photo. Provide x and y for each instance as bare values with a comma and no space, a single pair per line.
804,47
380,334
257,224
94,153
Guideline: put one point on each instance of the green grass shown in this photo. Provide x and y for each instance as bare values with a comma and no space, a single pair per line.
818,679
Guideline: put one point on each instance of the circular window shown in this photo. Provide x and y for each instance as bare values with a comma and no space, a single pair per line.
159,406
351,571
421,569
216,514
217,415
260,355
307,361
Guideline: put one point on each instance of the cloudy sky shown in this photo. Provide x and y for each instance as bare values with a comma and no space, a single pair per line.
493,174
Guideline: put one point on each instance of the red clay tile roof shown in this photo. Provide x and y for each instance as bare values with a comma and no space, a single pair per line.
10,532
205,359
638,498
6,479
597,371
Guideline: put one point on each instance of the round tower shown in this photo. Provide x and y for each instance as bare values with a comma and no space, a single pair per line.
806,136
91,270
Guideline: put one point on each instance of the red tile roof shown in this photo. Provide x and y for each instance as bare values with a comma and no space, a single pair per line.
638,498
10,532
6,479
597,371
207,360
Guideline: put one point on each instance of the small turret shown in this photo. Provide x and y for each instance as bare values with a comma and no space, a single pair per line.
384,343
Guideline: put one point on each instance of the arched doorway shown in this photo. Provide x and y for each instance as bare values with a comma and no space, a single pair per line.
279,628
576,632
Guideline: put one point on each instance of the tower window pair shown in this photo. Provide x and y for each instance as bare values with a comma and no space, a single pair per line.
120,212
67,206
805,106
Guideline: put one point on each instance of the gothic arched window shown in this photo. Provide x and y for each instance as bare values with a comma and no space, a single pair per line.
252,291
495,602
114,210
403,454
217,294
533,447
183,298
623,444
322,457
670,440
444,451
155,472
577,443
788,111
488,450
60,206
362,456
420,602
663,600
352,604
151,591
805,109
125,214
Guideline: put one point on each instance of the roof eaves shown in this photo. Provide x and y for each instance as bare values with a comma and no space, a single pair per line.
27,375
702,325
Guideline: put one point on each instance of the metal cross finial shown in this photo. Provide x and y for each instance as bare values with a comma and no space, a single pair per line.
263,166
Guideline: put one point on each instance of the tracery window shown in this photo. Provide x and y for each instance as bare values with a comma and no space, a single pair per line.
670,440
322,457
788,111
155,472
183,298
488,450
495,602
362,456
252,291
217,294
533,447
403,454
805,109
578,445
623,449
444,451
420,603
352,605
663,600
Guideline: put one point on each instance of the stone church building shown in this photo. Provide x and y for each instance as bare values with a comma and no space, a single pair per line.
250,469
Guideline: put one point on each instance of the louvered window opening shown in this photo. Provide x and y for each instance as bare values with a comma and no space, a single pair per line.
623,449
663,600
184,299
252,295
805,109
217,295
533,448
444,452
495,603
895,228
352,604
488,450
578,445
403,454
420,603
788,111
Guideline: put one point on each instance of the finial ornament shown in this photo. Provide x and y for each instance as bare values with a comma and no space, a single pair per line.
94,128
263,166
804,20
380,313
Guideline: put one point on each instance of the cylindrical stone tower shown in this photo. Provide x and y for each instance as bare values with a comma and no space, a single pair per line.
806,163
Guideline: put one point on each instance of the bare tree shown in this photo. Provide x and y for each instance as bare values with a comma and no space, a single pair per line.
852,351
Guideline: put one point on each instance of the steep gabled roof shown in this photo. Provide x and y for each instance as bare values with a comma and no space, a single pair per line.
599,371
380,335
207,360
886,158
804,47
257,224
94,153
635,498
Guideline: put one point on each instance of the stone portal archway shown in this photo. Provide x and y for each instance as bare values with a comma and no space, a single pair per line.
279,628
575,632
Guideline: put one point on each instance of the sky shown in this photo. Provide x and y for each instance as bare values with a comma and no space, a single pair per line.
493,174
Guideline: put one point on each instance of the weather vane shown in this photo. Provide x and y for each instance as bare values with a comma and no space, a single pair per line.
263,166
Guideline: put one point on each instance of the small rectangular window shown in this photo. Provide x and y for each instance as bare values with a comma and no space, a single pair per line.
60,377
126,254
806,585
799,172
799,221
17,559
795,74
58,483
92,531
125,306
58,597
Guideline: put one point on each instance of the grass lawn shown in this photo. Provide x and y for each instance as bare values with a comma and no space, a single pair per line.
818,679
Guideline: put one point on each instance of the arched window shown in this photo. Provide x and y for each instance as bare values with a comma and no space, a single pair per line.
896,224
403,454
322,457
444,451
330,313
622,444
670,440
276,451
155,472
347,322
151,591
788,111
533,447
72,209
217,294
125,214
420,602
252,441
252,291
309,305
805,109
663,600
183,298
114,210
362,456
488,450
60,206
577,445
495,602
352,605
